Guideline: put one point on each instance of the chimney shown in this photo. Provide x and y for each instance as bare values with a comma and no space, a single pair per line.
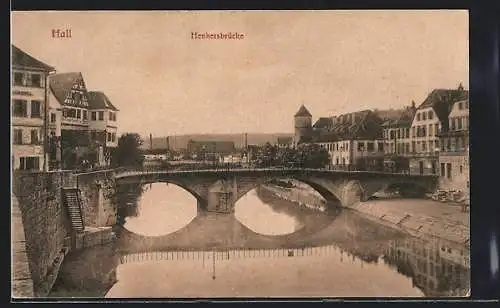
150,141
168,143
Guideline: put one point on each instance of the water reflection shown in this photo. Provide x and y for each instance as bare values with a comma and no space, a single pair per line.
161,209
261,217
432,264
348,256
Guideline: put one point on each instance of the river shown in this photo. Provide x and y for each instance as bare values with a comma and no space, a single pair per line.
268,248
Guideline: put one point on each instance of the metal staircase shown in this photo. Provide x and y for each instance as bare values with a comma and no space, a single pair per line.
72,203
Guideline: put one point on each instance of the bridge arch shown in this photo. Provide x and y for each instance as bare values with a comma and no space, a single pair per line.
245,187
195,191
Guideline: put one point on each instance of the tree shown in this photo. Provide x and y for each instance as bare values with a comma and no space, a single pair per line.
128,152
312,156
267,155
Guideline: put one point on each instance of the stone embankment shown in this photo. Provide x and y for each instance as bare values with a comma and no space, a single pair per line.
42,235
301,197
418,217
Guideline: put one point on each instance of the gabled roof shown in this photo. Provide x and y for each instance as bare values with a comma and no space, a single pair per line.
303,112
62,84
21,59
442,100
99,100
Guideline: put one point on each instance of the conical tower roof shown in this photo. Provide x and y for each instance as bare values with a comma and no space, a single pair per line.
303,112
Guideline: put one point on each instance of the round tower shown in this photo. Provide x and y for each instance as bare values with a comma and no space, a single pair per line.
302,124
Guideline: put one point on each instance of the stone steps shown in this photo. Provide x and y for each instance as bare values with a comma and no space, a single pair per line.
72,203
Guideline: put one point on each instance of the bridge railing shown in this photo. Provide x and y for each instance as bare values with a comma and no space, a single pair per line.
235,167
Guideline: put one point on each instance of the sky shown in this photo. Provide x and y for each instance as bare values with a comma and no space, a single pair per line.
166,83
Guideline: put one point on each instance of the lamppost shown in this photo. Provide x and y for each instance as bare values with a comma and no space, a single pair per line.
213,267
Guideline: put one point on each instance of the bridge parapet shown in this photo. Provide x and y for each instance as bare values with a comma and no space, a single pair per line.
220,188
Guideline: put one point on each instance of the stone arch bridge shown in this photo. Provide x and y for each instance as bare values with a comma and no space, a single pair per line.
219,190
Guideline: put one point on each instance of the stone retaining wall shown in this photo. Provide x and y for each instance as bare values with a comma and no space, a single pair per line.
44,223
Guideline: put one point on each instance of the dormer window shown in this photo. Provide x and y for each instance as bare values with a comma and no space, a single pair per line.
418,116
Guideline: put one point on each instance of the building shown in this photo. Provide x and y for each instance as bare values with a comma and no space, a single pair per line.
429,116
210,150
454,149
302,125
397,145
353,140
29,106
84,123
103,125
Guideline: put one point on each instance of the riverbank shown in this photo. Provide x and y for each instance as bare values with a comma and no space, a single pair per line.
301,197
419,217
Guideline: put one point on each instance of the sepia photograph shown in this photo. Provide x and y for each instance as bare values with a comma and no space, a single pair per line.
240,154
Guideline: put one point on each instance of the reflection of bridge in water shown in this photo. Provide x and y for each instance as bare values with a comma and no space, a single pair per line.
225,232
221,255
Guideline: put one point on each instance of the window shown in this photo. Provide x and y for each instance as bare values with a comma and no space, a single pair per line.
407,145
361,146
436,129
29,163
393,134
452,122
36,80
18,79
109,137
424,146
461,169
347,146
72,113
413,132
52,117
448,170
436,144
424,116
20,108
423,132
430,129
370,147
113,137
431,115
34,136
35,109
459,124
380,147
93,116
418,116
101,115
18,136
112,116
85,114
78,113
413,147
398,133
407,132
337,146
460,106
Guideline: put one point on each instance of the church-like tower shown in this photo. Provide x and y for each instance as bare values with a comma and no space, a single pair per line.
302,124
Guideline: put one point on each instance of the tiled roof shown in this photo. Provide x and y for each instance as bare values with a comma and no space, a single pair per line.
323,123
303,112
99,100
405,118
442,100
62,84
23,60
358,125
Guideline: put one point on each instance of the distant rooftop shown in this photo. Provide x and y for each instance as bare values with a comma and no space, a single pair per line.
99,100
303,112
